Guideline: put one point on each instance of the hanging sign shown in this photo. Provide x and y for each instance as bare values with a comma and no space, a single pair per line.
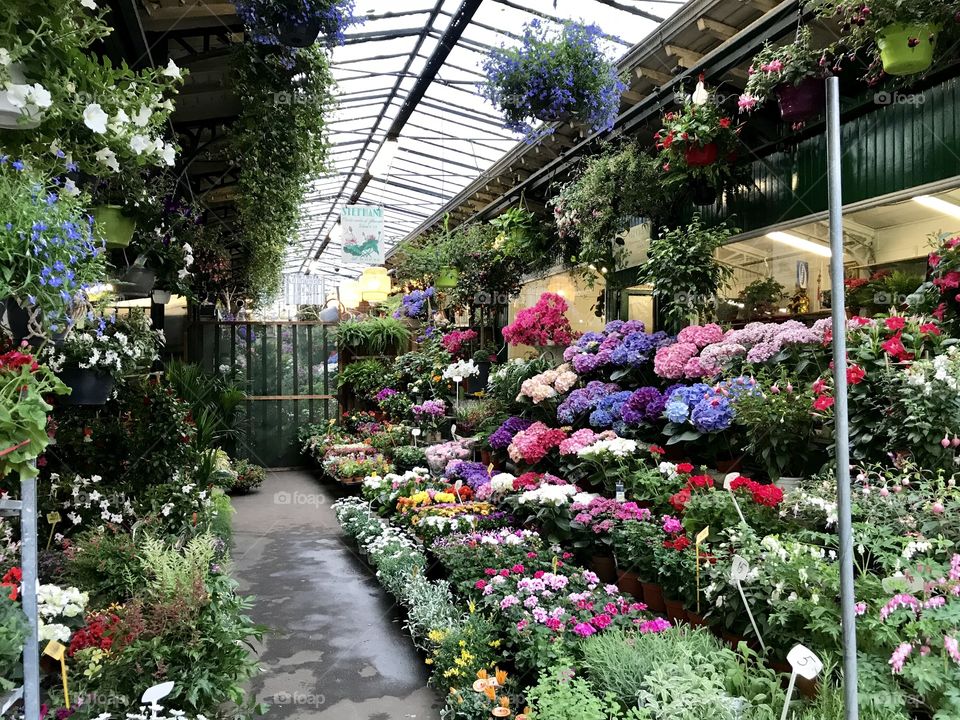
361,234
304,289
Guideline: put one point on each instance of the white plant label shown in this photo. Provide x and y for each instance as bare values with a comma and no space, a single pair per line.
804,662
416,432
727,485
739,570
453,431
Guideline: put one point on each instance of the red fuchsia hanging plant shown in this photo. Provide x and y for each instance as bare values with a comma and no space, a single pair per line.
697,146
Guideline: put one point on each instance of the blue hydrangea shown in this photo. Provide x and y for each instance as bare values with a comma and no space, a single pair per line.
712,414
677,411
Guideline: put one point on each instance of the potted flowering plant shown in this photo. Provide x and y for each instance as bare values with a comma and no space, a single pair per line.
793,72
23,424
50,256
92,111
902,35
14,631
554,75
92,359
696,146
297,23
543,325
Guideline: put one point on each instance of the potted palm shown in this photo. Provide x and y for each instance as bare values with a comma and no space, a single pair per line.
902,35
793,72
555,75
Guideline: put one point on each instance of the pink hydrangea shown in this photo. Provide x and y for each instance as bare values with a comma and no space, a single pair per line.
701,335
542,324
669,362
583,438
530,446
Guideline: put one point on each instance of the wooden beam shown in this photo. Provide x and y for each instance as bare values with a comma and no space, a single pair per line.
655,76
716,28
685,56
196,14
764,6
632,96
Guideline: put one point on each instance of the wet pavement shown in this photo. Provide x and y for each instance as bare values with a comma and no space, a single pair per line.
336,649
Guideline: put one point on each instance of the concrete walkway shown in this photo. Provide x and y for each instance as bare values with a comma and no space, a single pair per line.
336,649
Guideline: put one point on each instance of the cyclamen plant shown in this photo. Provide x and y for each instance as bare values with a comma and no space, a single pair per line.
554,75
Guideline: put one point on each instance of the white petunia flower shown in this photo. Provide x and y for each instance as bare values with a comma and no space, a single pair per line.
142,118
5,58
171,70
95,118
169,154
109,158
89,4
140,143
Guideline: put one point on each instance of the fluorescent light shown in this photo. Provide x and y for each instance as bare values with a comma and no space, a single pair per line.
800,243
941,206
383,160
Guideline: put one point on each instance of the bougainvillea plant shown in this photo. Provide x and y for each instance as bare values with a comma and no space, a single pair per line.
543,324
555,74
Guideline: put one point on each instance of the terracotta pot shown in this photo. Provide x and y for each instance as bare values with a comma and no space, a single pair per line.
801,102
629,583
695,619
486,457
675,610
700,155
653,597
605,568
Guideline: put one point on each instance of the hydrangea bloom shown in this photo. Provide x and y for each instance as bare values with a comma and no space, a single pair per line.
583,400
503,435
645,405
670,360
530,446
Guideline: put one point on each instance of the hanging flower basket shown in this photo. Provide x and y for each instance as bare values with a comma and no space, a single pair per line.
88,386
701,155
299,34
447,278
115,227
13,117
906,49
16,319
801,102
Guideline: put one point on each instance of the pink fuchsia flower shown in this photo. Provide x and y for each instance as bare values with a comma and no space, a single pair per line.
772,66
746,103
899,657
951,646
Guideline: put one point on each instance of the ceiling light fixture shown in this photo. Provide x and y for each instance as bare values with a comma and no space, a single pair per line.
938,204
800,243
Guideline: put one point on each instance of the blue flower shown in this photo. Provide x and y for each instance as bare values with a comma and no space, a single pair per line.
676,411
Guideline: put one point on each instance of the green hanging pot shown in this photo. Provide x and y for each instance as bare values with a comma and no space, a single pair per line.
115,227
896,53
447,278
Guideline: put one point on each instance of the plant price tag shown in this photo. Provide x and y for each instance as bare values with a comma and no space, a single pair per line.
804,662
739,570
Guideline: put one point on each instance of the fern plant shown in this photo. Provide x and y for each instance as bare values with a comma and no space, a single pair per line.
373,336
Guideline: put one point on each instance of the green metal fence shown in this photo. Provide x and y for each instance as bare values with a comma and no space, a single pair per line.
287,369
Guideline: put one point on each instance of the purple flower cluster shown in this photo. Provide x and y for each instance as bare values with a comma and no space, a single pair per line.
609,409
708,409
264,18
621,343
429,409
414,304
385,393
583,400
474,474
503,435
645,405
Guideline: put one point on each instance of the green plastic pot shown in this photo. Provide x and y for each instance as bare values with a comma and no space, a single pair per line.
115,227
897,56
447,278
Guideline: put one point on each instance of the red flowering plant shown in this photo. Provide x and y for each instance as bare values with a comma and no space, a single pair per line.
23,421
675,560
533,444
717,508
457,342
698,143
543,324
694,484
940,296
13,629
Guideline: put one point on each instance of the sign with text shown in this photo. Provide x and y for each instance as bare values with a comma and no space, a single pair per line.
304,289
361,233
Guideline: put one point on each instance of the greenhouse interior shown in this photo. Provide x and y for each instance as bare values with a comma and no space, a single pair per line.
467,359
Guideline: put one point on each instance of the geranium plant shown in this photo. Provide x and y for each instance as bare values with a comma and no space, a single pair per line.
23,419
543,324
555,74
50,256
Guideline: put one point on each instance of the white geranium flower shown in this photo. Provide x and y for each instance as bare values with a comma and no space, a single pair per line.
140,143
171,70
95,118
109,158
142,118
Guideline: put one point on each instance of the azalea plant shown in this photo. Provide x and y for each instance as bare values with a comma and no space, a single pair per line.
555,74
543,324
50,254
102,117
776,66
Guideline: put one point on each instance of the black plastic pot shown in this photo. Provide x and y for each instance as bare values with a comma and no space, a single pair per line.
478,382
299,34
16,318
89,387
703,193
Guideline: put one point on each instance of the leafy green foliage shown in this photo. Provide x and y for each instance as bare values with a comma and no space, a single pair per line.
373,336
13,633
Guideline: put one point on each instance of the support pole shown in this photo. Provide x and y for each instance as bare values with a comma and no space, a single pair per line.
841,425
28,565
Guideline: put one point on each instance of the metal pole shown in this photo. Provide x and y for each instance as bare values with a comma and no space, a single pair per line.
841,426
28,565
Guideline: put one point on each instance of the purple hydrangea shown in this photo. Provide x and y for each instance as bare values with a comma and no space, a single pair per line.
474,474
645,405
584,400
503,435
608,410
712,414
